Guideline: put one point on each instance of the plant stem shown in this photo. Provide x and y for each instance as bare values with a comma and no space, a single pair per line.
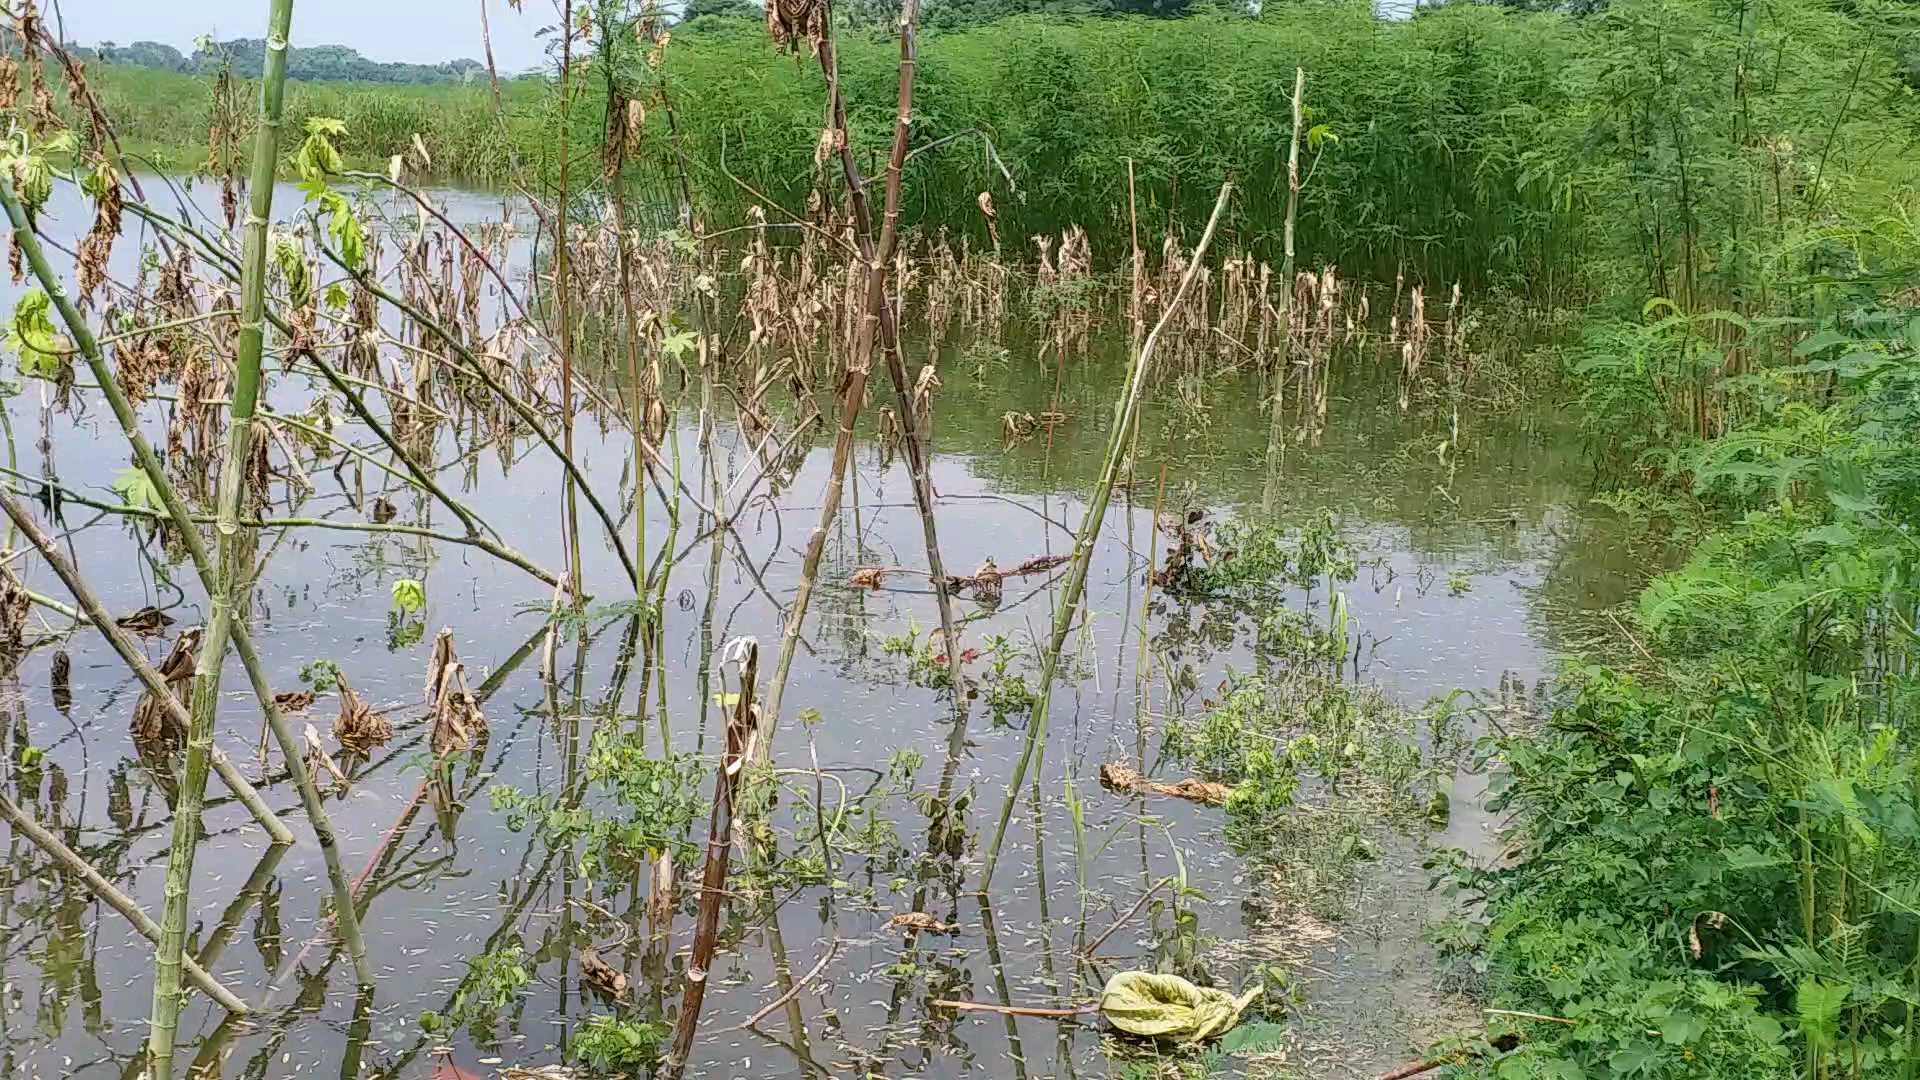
876,318
1033,751
96,613
222,593
713,877
564,310
1276,435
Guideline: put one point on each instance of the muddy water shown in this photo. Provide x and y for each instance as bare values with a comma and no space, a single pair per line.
1470,562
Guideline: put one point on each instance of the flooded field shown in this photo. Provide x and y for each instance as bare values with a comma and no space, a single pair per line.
479,893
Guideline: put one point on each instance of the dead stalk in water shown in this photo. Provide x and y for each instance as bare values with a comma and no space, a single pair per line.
713,878
560,300
1033,751
873,313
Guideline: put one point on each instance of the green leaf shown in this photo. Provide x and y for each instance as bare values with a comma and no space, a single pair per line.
1255,1037
1682,1028
1820,342
1320,133
136,488
678,344
409,595
33,338
1747,857
1818,1006
1633,1060
317,155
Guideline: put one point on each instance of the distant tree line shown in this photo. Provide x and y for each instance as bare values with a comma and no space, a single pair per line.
318,63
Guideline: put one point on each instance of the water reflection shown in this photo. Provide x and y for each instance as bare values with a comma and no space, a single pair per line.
444,879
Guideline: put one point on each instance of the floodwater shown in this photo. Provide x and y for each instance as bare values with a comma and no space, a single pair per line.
1472,554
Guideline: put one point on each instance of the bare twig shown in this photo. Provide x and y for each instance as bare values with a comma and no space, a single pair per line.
833,948
1122,920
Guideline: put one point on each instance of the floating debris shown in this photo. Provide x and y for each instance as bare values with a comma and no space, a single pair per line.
1125,778
1153,1005
153,725
294,700
987,583
601,975
14,605
1189,535
319,761
458,724
358,727
148,620
62,681
921,922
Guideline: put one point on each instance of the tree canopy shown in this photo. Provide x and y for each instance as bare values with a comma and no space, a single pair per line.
316,63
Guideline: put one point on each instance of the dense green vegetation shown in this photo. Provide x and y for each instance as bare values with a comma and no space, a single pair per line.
1719,863
1469,143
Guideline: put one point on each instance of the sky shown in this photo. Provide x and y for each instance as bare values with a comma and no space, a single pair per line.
409,31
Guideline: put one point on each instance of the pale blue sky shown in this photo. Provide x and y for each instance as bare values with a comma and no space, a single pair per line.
411,31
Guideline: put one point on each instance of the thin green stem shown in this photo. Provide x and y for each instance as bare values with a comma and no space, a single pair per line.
1033,751
222,594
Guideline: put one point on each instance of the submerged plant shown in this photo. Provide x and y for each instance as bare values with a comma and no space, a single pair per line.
492,985
654,802
608,1044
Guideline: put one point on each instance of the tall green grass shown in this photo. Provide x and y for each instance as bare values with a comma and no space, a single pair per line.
162,118
1420,168
1473,143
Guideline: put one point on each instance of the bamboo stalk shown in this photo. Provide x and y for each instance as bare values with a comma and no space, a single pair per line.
876,317
72,863
629,338
916,447
713,878
1033,751
1276,435
224,590
93,611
